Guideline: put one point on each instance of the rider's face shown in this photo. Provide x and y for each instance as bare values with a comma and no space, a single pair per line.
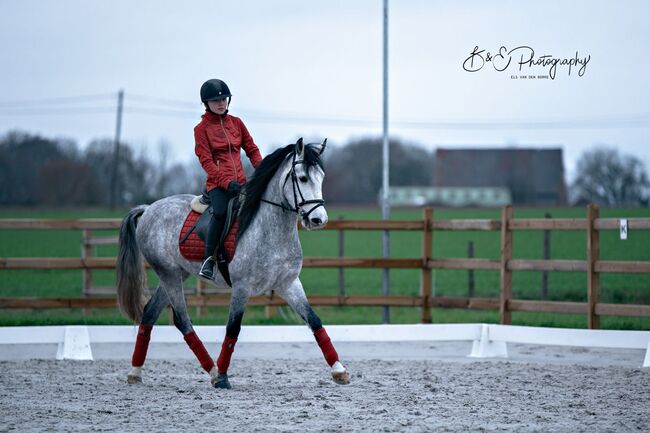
220,106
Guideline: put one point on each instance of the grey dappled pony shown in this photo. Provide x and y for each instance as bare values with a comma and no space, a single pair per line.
268,257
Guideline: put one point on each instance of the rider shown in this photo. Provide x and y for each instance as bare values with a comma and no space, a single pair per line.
218,138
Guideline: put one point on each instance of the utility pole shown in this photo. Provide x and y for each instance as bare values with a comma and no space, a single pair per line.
116,149
385,206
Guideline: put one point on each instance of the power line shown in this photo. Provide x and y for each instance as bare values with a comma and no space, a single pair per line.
639,122
162,112
55,111
191,110
568,124
166,101
59,100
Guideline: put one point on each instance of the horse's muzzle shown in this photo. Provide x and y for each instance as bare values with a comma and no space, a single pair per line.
316,220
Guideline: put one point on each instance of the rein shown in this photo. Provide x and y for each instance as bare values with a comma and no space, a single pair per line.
297,207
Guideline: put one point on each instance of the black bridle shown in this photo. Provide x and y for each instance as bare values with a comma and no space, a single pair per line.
297,207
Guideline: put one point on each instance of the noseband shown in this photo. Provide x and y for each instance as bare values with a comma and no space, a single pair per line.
297,206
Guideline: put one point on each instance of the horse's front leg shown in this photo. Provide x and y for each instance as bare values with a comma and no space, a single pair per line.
297,300
237,305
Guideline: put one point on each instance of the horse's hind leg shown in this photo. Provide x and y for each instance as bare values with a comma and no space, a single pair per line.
149,317
235,316
296,298
174,285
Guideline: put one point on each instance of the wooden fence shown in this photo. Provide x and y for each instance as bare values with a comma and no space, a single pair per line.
593,266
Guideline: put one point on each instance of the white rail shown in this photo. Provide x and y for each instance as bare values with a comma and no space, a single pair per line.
75,342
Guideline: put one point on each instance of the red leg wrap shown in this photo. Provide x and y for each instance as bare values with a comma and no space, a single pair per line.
326,346
198,348
141,345
227,348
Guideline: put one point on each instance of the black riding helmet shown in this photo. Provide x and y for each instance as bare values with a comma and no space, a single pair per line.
213,90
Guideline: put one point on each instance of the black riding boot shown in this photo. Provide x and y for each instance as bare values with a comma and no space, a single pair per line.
214,233
218,200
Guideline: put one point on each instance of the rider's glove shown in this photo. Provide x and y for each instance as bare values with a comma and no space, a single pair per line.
234,187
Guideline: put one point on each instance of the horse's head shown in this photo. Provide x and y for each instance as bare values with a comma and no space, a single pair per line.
303,184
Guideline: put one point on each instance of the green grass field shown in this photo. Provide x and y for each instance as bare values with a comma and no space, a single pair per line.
563,286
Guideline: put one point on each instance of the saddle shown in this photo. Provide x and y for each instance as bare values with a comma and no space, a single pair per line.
191,240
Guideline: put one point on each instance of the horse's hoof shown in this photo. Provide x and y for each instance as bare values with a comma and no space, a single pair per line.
342,378
221,381
133,379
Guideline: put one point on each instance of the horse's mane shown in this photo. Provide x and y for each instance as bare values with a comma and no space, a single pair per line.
256,186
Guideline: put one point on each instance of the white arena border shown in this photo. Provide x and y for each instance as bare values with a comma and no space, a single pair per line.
74,342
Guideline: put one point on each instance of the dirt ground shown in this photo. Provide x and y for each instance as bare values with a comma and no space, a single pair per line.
296,395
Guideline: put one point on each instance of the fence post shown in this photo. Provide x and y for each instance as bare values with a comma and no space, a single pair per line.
86,253
547,256
200,285
506,274
270,311
427,254
470,272
341,255
593,277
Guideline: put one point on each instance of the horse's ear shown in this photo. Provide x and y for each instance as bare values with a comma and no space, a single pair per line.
321,147
300,147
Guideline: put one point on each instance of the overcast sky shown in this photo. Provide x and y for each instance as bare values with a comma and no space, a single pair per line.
313,69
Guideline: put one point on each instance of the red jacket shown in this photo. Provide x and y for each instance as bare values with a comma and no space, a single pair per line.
218,141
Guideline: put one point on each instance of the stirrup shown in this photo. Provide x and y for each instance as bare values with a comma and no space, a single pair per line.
207,269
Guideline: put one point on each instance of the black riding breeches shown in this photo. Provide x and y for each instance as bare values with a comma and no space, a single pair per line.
219,201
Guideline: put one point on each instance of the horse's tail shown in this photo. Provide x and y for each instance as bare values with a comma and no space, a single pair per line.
131,276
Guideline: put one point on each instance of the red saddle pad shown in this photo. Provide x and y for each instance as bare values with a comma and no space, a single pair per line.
193,247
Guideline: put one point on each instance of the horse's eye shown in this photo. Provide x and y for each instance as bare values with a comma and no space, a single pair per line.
303,179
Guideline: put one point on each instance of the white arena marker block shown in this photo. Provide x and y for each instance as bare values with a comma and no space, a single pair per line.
486,348
75,345
646,361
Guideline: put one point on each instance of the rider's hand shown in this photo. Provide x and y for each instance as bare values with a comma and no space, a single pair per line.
234,187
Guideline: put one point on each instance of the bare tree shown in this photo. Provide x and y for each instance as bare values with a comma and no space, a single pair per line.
354,171
163,173
197,176
66,182
22,155
35,170
135,173
606,177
